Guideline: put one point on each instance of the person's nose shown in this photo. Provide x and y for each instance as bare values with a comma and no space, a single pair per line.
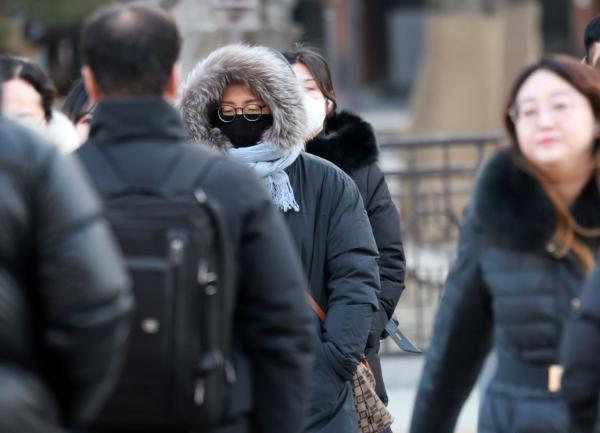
545,118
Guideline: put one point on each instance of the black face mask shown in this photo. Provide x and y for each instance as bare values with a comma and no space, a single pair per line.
243,133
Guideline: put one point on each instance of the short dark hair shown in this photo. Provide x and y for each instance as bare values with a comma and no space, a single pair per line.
591,36
77,103
318,67
15,67
131,49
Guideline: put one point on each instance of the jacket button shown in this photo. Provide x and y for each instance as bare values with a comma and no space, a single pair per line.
575,304
551,247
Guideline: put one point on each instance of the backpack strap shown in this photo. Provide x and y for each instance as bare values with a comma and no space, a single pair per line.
102,172
191,168
187,173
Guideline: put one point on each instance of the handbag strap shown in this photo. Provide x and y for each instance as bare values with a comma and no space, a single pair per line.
315,307
319,312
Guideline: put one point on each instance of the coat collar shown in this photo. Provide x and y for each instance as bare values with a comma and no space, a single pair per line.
348,142
512,209
123,120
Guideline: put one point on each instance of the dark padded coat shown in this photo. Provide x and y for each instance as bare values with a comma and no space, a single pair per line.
349,142
506,288
272,329
581,359
331,231
65,299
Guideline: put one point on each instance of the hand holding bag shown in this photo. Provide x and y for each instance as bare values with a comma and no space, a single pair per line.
373,416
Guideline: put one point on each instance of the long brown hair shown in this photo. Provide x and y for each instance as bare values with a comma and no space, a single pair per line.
568,233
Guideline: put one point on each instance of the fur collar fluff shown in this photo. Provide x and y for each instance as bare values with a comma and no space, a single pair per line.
265,72
512,209
348,142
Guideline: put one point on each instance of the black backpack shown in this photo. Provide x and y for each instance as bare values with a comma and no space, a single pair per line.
177,372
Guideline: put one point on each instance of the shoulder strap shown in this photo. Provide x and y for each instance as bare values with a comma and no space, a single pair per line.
191,168
102,172
315,307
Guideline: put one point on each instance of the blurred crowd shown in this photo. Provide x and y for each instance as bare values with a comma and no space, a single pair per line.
220,252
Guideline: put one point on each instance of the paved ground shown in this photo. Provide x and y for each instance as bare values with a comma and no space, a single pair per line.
401,375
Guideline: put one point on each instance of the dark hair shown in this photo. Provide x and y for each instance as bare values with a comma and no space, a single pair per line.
318,67
77,103
591,35
15,67
586,81
131,49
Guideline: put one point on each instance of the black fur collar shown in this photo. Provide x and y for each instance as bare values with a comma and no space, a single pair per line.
512,209
348,142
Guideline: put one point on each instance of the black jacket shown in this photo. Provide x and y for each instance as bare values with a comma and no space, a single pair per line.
581,356
331,231
272,325
337,249
349,142
64,294
506,287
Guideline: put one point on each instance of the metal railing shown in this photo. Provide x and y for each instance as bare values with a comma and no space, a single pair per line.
430,180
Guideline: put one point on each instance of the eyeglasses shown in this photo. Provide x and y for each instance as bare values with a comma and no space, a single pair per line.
529,113
251,112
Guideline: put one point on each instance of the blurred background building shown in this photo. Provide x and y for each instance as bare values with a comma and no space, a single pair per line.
413,66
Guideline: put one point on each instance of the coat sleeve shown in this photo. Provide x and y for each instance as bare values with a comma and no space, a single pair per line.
580,351
353,279
385,223
273,318
461,340
82,287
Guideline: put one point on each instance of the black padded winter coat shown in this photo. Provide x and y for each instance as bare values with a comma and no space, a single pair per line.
349,142
64,294
506,289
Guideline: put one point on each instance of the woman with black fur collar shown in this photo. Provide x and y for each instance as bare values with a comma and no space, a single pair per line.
247,102
528,241
349,142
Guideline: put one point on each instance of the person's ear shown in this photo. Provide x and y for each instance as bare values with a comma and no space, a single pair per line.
91,86
173,84
328,105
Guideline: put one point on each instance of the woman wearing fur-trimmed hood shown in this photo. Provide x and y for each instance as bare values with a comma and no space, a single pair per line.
320,203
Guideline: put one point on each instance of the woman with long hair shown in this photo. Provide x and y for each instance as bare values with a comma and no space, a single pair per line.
527,244
348,141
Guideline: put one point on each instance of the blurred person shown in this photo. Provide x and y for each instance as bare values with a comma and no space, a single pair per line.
27,92
62,132
581,352
349,142
591,41
28,95
246,101
78,107
256,377
528,242
65,297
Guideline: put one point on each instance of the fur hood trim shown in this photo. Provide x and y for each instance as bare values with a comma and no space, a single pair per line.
512,209
269,77
348,141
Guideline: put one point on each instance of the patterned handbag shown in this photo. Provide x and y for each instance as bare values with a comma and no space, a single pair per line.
373,416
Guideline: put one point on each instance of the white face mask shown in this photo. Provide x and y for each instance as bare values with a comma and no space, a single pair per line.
315,112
